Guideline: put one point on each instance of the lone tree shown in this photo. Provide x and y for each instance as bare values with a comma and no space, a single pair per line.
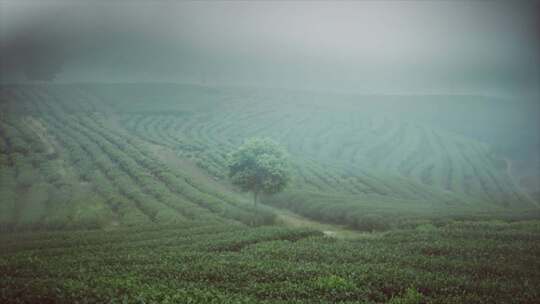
261,166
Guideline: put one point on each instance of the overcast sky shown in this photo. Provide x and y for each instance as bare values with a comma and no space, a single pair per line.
481,47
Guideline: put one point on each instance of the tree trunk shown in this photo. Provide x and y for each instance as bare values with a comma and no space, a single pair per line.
255,197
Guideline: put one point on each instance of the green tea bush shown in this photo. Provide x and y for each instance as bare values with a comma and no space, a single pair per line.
333,284
410,296
371,222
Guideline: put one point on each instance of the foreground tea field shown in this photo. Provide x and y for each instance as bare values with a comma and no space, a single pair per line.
459,262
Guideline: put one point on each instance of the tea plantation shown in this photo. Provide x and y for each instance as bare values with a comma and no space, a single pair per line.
119,194
459,262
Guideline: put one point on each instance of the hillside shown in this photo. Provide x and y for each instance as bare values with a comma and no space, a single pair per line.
106,155
80,171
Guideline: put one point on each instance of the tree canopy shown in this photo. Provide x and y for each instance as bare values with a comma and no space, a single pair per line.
260,165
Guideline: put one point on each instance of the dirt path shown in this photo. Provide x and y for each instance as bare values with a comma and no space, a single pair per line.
290,219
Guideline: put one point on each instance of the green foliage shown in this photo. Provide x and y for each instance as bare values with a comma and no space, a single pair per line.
371,222
260,166
334,284
460,262
411,296
27,176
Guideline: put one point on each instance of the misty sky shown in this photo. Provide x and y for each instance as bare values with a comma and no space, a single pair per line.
480,47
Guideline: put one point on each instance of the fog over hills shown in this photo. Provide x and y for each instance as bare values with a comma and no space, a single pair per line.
488,49
485,48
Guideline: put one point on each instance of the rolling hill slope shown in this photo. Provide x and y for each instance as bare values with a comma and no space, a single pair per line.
93,155
82,172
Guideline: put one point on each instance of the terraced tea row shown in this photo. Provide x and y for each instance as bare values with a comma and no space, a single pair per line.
334,151
124,183
458,262
79,155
